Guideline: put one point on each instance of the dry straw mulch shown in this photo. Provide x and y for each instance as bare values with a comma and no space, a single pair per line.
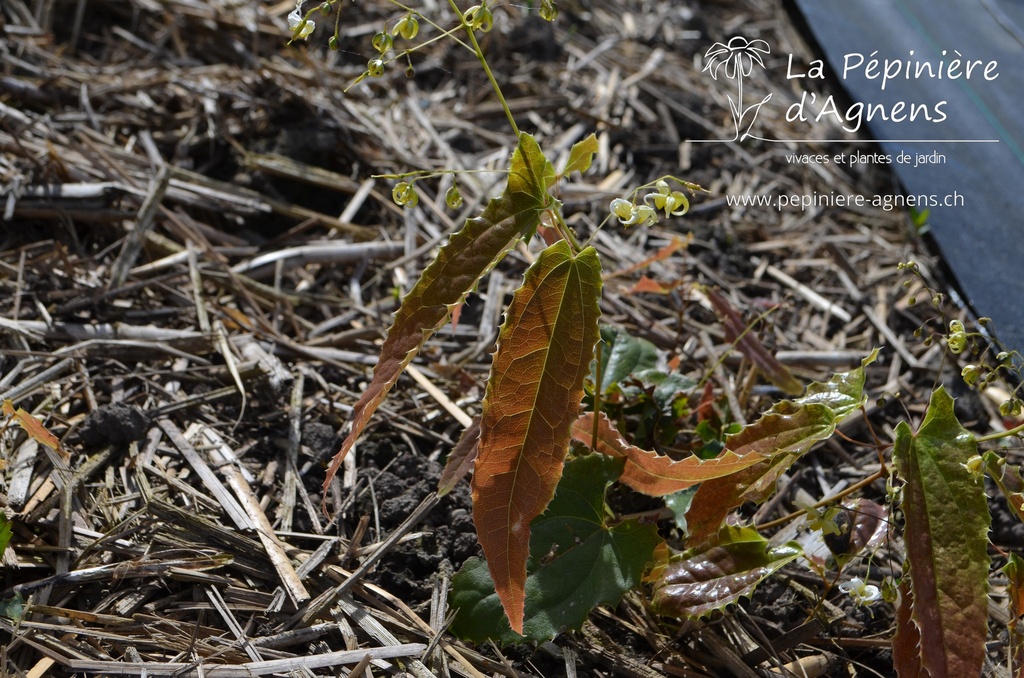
197,267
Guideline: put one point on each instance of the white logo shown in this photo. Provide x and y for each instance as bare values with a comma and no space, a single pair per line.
736,60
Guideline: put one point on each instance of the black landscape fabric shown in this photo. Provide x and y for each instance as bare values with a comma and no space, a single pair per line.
961,63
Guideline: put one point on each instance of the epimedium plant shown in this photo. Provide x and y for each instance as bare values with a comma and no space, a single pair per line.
546,343
552,547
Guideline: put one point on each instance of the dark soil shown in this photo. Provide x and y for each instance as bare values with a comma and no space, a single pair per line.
391,495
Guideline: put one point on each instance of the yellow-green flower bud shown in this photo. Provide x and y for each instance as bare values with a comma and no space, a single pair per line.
453,198
382,42
957,341
623,209
408,27
375,67
970,374
479,18
404,194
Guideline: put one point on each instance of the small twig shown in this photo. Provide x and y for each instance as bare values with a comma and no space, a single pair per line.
438,395
327,598
291,462
264,530
807,293
145,221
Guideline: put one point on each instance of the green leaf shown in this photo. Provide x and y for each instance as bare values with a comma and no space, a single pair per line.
13,608
460,263
581,155
667,386
679,503
693,585
6,531
946,537
787,431
843,393
623,356
579,559
533,398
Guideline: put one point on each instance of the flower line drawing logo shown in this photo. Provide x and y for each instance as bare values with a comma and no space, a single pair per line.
736,60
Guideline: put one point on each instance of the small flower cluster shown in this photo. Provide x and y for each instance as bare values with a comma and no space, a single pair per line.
408,27
405,195
981,375
861,592
1012,407
673,203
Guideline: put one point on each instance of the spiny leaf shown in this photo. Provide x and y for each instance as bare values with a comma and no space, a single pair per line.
906,642
33,427
459,265
581,155
750,346
1014,571
533,397
695,585
460,459
716,497
578,561
787,431
946,537
652,473
843,393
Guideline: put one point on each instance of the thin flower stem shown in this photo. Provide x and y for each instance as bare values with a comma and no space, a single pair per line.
490,76
566,232
445,33
430,174
827,500
483,62
597,392
1004,434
